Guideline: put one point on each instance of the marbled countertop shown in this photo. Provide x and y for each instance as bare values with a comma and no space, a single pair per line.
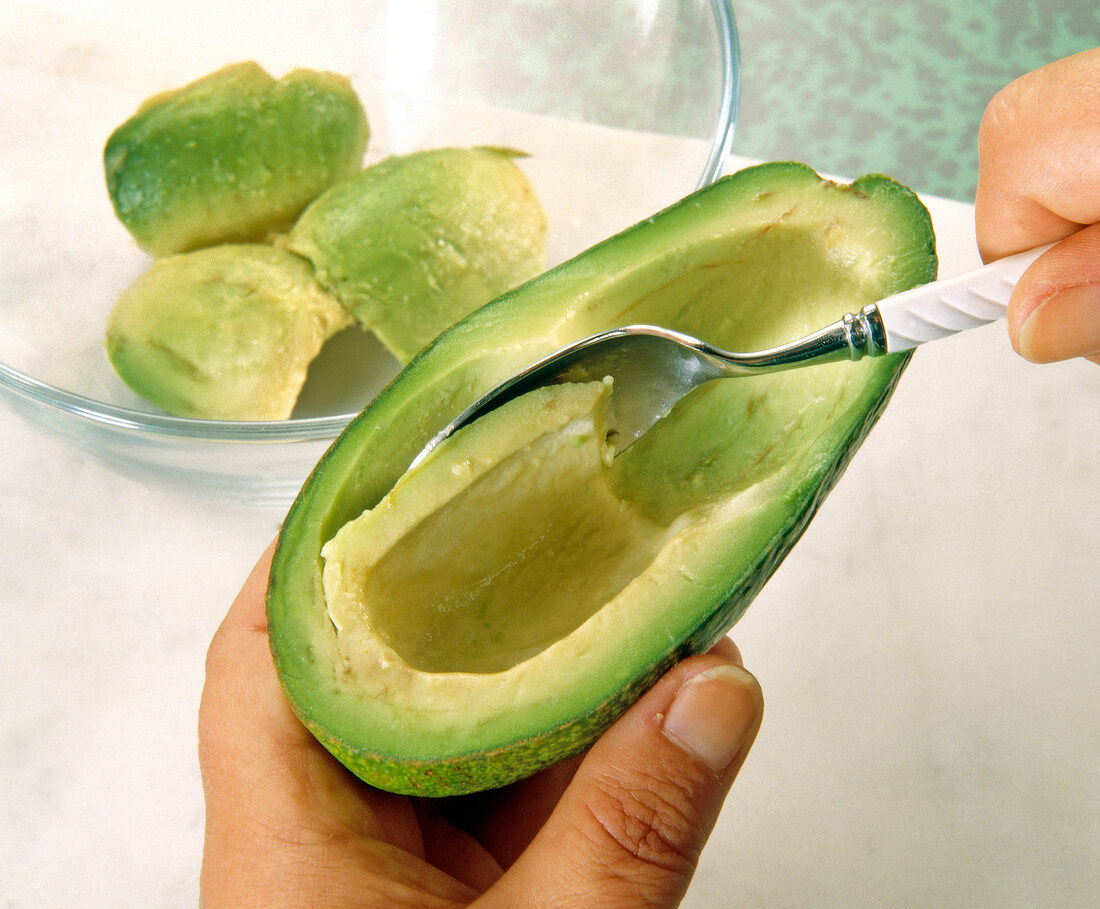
929,651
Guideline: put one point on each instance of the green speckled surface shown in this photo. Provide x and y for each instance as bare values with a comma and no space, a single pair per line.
899,88
847,87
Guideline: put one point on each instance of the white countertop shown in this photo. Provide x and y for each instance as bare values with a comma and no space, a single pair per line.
930,651
928,655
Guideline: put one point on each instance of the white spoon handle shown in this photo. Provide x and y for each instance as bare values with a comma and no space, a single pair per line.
944,308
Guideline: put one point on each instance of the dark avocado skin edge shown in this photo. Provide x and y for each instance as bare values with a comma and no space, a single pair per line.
328,500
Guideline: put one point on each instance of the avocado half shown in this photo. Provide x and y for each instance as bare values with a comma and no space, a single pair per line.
232,156
462,625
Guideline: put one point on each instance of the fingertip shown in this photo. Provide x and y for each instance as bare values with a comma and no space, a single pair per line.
1062,327
238,657
247,607
728,650
715,716
630,827
1054,313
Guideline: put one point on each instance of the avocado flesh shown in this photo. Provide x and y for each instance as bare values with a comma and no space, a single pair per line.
732,476
508,540
416,242
222,333
678,466
232,156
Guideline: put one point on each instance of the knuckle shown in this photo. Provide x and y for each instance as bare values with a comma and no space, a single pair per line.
997,125
648,825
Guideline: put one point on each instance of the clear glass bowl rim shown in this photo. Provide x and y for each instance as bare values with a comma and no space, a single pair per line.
316,428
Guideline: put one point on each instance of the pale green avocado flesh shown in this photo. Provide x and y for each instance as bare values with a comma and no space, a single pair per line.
222,333
490,612
232,156
416,242
508,540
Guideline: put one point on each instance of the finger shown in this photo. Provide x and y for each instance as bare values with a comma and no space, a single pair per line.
1054,313
282,813
629,829
239,676
258,762
1039,176
454,850
727,649
243,711
505,821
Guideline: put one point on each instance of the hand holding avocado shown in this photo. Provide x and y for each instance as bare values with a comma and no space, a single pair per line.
286,823
624,824
1039,181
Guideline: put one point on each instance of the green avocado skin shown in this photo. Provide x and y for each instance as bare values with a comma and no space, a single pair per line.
615,283
232,156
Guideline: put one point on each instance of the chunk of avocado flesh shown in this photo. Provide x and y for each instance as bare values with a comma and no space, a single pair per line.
414,243
233,156
709,501
222,333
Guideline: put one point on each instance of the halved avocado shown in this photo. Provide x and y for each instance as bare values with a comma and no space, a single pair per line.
416,242
232,156
222,333
492,611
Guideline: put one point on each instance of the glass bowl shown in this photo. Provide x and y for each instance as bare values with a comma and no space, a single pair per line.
624,106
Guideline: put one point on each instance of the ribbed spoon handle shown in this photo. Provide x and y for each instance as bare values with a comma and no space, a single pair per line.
944,308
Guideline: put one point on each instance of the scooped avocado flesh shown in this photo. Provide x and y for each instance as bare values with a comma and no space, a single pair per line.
508,540
223,333
416,242
707,503
232,156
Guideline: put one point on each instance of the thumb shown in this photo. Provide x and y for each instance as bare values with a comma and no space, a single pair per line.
1054,313
629,829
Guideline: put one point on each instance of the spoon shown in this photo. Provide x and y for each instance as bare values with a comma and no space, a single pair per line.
654,367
